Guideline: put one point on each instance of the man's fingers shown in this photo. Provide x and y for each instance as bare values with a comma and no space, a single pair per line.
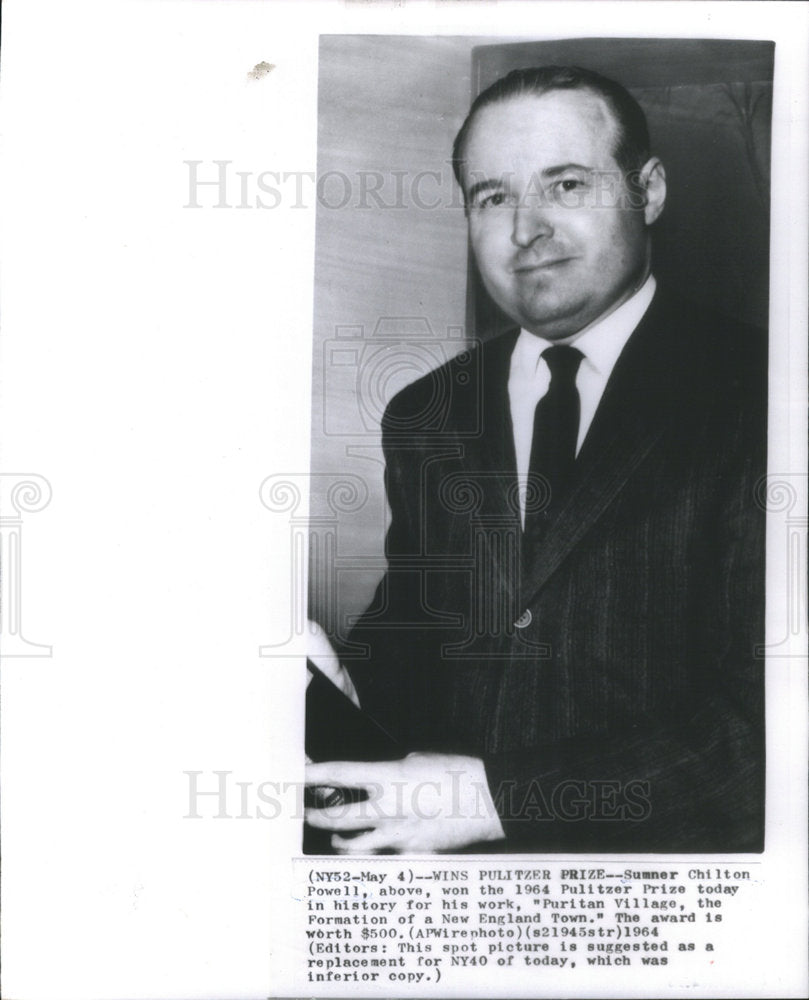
365,843
341,818
350,773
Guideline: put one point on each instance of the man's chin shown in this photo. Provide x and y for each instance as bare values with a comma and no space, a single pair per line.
553,322
546,312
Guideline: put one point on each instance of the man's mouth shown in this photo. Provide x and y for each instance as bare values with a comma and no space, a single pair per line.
529,266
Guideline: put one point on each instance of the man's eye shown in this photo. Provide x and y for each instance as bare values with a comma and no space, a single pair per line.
570,184
492,200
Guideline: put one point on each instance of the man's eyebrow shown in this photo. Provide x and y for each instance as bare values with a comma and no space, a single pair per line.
564,167
484,185
491,183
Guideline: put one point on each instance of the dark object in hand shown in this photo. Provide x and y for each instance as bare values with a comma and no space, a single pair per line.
337,730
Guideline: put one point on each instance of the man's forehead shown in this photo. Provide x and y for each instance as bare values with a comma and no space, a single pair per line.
550,123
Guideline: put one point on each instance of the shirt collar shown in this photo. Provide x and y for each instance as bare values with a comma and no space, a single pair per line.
601,342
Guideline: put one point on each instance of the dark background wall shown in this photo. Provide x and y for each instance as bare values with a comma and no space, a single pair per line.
392,298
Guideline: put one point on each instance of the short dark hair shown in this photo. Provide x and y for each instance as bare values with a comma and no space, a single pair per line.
632,132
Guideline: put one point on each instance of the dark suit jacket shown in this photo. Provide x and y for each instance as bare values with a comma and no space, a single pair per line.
608,679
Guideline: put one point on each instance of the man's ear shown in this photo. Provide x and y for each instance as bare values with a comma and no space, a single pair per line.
653,184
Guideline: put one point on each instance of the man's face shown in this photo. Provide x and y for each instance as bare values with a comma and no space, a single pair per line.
550,218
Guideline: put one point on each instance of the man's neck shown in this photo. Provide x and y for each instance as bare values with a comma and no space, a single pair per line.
631,306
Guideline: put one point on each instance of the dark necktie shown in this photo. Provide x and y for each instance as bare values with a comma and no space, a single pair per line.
553,446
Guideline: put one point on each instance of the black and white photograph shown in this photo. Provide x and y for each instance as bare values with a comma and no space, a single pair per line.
564,650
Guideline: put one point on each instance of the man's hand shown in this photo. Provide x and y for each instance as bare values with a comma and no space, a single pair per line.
320,652
424,803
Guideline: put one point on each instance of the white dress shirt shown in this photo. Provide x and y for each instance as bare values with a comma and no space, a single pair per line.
529,377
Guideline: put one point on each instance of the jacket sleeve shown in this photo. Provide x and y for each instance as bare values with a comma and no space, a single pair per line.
395,634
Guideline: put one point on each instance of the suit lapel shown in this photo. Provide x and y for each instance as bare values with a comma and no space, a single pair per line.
635,410
490,463
489,455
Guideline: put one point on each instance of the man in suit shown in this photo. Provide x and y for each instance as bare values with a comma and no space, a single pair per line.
565,639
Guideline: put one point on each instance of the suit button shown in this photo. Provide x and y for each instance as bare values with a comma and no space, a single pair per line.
524,620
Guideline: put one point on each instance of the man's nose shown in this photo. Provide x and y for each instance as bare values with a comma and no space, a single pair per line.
531,222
